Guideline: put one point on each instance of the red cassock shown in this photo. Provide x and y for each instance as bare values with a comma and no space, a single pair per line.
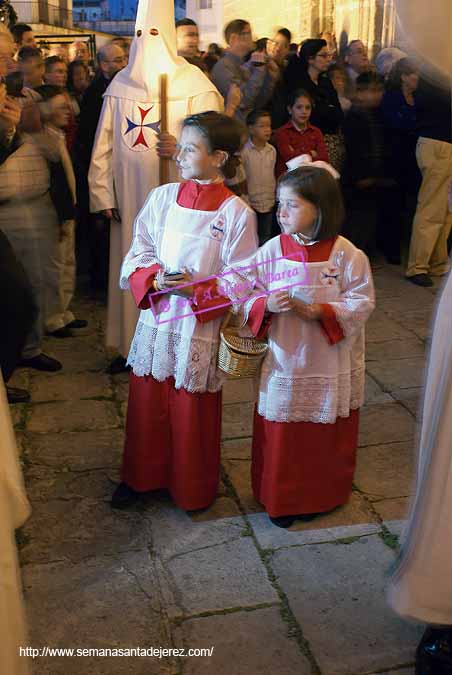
173,436
304,467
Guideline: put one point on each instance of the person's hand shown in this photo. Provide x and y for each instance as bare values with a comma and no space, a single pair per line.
111,214
314,154
233,99
166,146
273,69
279,302
174,287
9,114
305,311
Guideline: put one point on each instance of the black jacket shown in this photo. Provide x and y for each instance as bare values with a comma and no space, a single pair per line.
327,114
90,110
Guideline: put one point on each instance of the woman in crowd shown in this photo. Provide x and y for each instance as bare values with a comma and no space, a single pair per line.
309,71
400,118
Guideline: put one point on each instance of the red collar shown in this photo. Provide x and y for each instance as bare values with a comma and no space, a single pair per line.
290,125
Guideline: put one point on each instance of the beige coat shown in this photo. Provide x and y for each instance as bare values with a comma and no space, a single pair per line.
14,510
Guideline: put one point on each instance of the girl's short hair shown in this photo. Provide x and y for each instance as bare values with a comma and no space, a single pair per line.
320,188
221,133
298,93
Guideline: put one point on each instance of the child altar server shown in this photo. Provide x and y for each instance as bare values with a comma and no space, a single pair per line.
184,236
315,289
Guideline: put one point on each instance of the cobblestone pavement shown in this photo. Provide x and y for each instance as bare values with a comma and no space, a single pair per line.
306,601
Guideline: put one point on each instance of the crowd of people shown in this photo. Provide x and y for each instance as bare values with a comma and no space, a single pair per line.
349,159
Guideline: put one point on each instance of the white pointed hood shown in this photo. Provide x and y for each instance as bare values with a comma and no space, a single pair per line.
153,51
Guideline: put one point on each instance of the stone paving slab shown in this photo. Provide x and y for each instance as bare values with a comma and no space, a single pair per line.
94,604
393,509
337,595
82,451
381,328
221,577
398,373
396,527
176,533
385,471
69,387
72,530
419,322
236,449
240,390
77,354
386,423
271,537
374,394
237,420
44,484
394,349
411,399
246,643
239,473
74,416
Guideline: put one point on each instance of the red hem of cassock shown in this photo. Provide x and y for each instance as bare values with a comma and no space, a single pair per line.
172,441
303,467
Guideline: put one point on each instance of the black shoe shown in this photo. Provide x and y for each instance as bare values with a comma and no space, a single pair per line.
421,280
42,362
123,497
118,365
17,395
283,521
62,332
77,323
307,517
434,653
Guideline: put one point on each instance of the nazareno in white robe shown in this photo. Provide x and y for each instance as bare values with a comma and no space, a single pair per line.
421,586
124,164
14,510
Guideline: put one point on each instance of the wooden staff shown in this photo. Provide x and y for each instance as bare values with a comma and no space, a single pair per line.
163,94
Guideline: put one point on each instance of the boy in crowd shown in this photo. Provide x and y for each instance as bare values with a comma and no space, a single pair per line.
259,159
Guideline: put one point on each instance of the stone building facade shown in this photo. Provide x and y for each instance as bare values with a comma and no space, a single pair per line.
373,21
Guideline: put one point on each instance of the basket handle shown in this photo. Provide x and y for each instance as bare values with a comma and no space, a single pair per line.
226,320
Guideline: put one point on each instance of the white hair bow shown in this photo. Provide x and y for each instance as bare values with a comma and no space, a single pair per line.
306,160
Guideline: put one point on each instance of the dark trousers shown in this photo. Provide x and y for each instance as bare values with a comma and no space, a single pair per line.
264,226
374,218
17,308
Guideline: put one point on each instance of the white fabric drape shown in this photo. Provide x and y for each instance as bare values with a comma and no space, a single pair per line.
14,510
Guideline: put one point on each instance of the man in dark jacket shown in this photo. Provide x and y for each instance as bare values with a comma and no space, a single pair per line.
111,59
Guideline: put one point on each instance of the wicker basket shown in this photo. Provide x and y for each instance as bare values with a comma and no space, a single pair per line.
240,356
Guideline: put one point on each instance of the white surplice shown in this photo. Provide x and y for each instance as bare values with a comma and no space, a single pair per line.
303,377
421,587
124,164
14,510
169,340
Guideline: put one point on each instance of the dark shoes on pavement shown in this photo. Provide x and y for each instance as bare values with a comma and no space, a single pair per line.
118,365
66,331
16,395
124,496
41,362
287,521
421,280
434,653
77,323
